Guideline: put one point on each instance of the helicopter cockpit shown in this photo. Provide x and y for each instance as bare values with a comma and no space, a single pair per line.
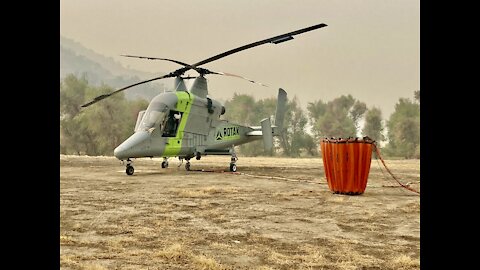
158,116
154,117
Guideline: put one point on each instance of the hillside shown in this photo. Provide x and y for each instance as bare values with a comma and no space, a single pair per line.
79,60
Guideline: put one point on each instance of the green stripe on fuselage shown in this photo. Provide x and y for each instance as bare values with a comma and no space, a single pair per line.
184,105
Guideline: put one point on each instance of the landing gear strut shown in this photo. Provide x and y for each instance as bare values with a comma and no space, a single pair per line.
165,163
187,165
129,169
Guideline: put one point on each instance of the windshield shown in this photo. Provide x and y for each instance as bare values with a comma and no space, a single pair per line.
154,116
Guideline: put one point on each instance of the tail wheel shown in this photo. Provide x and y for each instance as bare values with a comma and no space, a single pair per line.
130,170
164,164
233,167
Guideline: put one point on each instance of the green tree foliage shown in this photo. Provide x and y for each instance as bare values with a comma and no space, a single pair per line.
241,109
295,139
100,128
337,118
264,108
315,111
244,110
404,130
357,112
416,94
373,127
72,93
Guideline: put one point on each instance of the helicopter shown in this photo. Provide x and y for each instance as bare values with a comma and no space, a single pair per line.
186,123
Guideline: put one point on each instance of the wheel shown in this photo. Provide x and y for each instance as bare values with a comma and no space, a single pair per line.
129,170
233,167
164,164
187,166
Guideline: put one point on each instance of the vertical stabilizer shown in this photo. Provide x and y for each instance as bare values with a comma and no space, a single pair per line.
280,112
267,135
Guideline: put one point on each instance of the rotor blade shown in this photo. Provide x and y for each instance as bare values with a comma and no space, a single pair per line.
156,58
97,99
274,40
238,76
177,72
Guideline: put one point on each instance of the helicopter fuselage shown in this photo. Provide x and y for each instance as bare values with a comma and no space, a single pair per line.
181,124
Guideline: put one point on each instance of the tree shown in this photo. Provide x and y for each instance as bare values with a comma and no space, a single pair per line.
264,108
244,110
404,129
316,110
72,93
294,138
72,134
98,129
356,112
337,118
241,109
373,127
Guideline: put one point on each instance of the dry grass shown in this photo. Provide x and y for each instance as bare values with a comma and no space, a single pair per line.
93,266
179,253
204,192
68,260
173,219
263,267
66,240
404,262
203,262
175,252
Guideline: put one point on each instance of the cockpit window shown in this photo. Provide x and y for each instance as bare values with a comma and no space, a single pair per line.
154,116
171,124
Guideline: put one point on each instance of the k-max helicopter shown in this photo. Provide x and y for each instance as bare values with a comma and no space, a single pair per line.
186,123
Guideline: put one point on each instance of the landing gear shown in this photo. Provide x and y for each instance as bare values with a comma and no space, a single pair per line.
165,163
129,169
233,160
198,156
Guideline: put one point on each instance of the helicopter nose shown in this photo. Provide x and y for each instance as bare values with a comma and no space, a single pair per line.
132,147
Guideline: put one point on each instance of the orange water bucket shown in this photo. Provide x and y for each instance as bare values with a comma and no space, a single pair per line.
347,164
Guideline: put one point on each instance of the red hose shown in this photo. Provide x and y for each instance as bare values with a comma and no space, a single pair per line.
407,187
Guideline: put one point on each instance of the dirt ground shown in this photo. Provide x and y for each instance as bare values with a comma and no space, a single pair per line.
275,213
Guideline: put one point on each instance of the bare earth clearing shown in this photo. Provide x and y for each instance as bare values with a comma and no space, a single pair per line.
177,219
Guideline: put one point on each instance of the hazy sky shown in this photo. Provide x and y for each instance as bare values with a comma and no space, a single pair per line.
370,49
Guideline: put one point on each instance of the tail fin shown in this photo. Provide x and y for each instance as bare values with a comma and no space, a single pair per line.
280,112
267,135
